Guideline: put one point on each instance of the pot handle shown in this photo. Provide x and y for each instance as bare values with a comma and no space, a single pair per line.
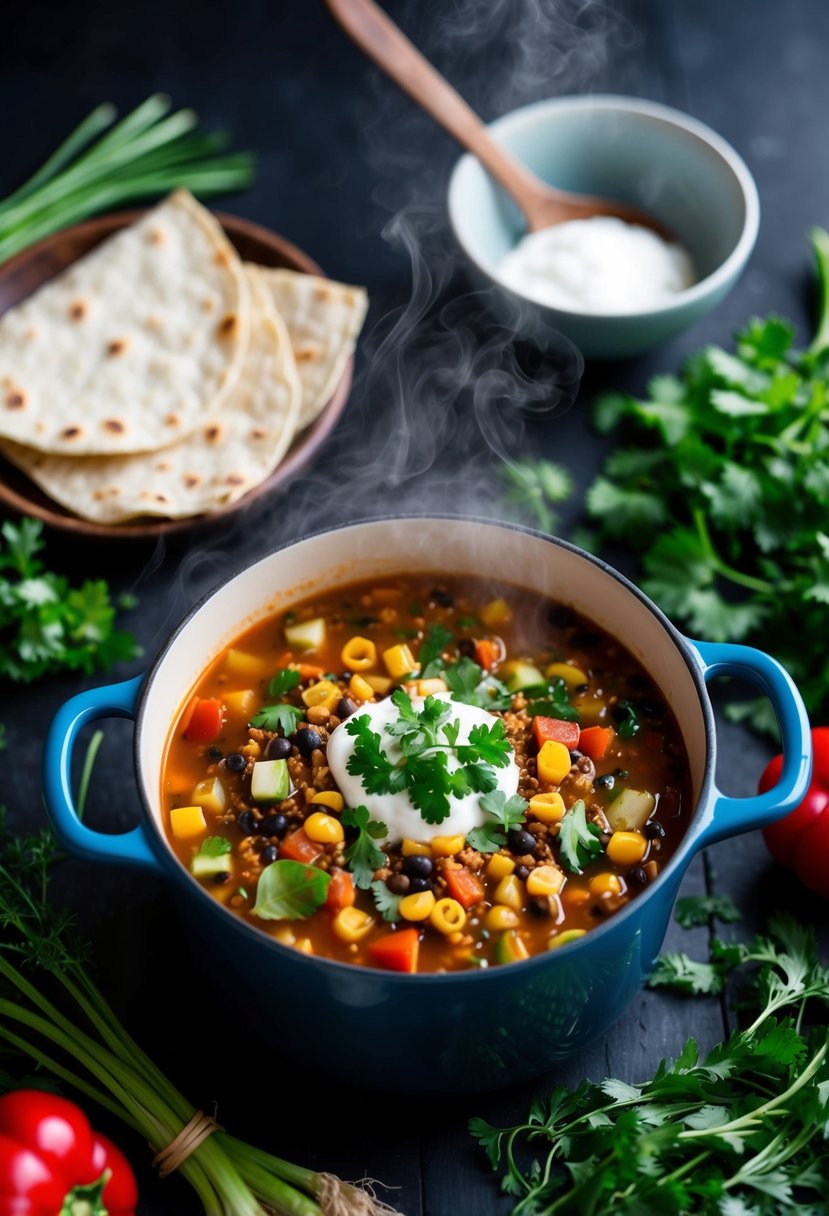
729,816
127,848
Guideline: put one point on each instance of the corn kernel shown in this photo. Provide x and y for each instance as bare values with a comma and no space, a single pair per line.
360,688
251,749
496,612
448,916
575,897
418,906
430,688
605,884
500,866
553,762
446,846
380,684
549,807
209,795
246,666
509,892
562,939
500,917
413,848
187,821
324,829
329,798
545,880
350,924
359,654
324,692
627,848
304,944
241,704
572,676
399,661
284,936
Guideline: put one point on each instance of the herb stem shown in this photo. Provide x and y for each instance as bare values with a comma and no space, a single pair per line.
820,244
721,567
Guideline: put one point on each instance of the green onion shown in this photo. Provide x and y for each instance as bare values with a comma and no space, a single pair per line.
100,165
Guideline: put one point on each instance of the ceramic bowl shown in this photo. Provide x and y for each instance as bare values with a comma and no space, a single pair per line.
465,1030
665,162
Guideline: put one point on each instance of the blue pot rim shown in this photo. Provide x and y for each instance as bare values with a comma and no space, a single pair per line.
613,925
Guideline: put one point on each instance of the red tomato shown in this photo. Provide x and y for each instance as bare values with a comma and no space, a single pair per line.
397,951
203,722
800,841
558,730
595,740
464,887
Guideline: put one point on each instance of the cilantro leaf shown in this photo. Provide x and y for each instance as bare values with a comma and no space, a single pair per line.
289,890
502,813
388,904
282,718
534,486
437,638
578,840
694,910
214,846
363,855
368,761
430,785
283,681
487,743
551,700
467,682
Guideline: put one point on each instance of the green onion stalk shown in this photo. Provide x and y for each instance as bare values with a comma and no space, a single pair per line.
52,1012
100,165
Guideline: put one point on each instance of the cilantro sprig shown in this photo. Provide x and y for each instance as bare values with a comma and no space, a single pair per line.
284,718
363,855
578,840
739,1132
502,814
425,739
46,625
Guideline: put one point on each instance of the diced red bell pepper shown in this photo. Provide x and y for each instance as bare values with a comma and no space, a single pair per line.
464,887
487,653
202,722
595,740
558,730
341,893
299,847
397,951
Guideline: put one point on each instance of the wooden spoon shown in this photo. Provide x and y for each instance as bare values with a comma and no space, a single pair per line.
376,34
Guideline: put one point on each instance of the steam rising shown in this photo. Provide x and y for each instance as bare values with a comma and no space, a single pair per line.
444,394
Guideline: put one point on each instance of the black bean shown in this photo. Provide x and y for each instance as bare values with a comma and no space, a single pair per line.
269,854
366,622
247,822
638,876
419,884
306,741
441,597
278,749
521,842
522,872
540,905
605,782
215,754
273,825
345,708
345,676
221,878
586,640
654,828
398,884
560,616
418,866
466,648
575,755
236,762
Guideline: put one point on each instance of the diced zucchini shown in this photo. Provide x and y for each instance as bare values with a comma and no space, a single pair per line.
517,674
270,781
306,635
205,867
245,666
630,811
209,794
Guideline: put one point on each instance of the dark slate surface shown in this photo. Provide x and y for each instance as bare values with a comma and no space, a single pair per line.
351,173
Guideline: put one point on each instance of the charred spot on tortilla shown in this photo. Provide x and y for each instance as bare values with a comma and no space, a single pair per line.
163,466
213,433
228,325
116,347
258,433
15,400
114,425
77,310
221,258
71,432
235,479
156,237
307,352
191,480
172,420
208,304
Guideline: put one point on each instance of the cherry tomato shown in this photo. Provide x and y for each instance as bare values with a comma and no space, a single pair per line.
202,722
800,841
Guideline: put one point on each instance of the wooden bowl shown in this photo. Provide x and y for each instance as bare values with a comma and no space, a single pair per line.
23,274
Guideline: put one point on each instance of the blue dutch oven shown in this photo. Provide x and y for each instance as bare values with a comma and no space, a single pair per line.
454,1032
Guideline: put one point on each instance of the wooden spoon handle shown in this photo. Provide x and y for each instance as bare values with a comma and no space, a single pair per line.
376,34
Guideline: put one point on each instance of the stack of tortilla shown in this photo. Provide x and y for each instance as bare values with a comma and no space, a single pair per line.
160,375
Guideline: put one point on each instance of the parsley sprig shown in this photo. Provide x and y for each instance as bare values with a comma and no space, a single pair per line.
425,738
363,855
578,840
740,1132
503,813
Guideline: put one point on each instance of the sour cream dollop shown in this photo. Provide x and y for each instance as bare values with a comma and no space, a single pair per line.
600,265
397,811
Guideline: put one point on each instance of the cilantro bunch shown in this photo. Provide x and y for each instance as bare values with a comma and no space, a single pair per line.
424,739
46,625
742,1132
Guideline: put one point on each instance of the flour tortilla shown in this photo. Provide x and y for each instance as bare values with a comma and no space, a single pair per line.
134,345
323,319
224,458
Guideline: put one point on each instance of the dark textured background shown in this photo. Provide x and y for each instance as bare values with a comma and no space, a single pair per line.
351,173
